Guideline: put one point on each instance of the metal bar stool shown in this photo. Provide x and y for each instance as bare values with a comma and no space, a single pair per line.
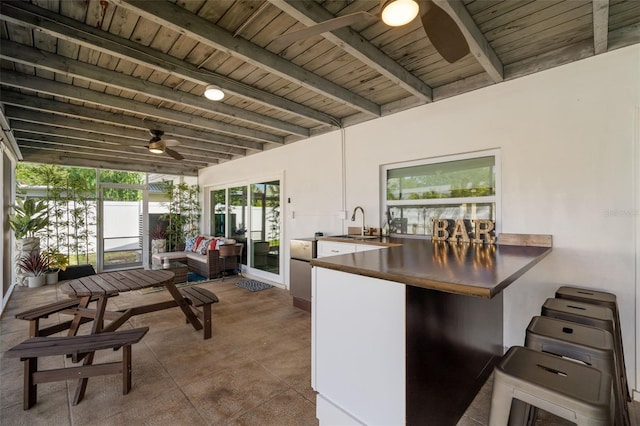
590,345
586,314
608,300
573,391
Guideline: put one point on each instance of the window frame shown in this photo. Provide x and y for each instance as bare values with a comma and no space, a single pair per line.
496,198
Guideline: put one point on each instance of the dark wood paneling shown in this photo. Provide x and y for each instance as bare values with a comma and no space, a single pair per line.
453,343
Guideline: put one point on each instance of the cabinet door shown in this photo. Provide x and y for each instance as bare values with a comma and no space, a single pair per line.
358,349
331,248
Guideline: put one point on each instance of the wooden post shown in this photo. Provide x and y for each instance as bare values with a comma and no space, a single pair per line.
30,388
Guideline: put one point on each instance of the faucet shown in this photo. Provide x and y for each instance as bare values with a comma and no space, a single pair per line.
353,218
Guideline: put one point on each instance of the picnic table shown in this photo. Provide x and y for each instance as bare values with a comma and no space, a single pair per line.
101,287
109,284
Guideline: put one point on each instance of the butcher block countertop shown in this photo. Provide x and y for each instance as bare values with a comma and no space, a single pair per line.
480,270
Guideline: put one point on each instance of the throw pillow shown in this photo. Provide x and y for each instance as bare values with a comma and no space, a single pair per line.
188,245
196,245
203,246
213,244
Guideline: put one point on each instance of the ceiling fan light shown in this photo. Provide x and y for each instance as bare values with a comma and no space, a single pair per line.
213,93
156,147
396,13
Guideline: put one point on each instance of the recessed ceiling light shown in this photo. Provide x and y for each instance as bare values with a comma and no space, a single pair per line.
399,12
214,93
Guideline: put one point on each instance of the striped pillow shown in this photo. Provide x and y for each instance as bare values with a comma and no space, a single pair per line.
203,247
213,244
196,245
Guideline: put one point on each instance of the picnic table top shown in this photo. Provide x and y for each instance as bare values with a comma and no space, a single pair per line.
110,283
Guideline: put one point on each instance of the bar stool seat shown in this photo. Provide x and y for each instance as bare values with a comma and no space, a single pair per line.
573,391
593,346
608,300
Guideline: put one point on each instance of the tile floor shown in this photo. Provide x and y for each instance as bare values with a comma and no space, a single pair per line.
254,371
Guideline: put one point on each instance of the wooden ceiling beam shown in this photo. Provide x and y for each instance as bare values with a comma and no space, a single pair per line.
310,13
600,26
90,135
27,55
43,133
619,38
135,136
182,21
5,131
24,13
55,88
478,44
65,158
37,141
198,139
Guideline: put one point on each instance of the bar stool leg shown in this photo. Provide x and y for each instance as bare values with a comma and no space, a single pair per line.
500,404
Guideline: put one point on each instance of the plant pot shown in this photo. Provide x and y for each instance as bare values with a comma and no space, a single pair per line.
38,281
23,247
158,246
52,277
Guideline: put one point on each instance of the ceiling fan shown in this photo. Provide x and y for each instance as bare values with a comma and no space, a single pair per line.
158,146
442,30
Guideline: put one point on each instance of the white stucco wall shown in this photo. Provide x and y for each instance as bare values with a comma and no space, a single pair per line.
569,150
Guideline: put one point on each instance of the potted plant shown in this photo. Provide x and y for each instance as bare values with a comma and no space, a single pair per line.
158,239
29,217
56,262
34,265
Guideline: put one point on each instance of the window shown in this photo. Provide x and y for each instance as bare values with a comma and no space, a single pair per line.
456,187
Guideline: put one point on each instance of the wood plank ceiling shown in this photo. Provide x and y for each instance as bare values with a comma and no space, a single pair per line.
82,81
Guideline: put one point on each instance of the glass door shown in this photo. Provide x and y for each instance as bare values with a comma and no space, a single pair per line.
238,217
250,214
121,228
218,213
265,226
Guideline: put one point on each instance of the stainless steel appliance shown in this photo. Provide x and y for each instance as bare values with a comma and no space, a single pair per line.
301,251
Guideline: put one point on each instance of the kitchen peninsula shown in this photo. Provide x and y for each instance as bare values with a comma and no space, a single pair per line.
407,334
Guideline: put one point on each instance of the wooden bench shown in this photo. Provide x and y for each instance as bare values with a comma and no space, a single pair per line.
36,314
76,346
199,297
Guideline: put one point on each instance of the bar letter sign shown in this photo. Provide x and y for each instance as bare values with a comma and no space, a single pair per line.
456,231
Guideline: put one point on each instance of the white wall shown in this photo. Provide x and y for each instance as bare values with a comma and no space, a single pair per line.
568,144
311,179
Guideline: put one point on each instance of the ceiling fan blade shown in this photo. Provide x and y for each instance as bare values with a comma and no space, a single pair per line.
174,154
444,34
171,142
319,28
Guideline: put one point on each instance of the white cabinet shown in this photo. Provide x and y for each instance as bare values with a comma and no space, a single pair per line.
358,349
332,248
